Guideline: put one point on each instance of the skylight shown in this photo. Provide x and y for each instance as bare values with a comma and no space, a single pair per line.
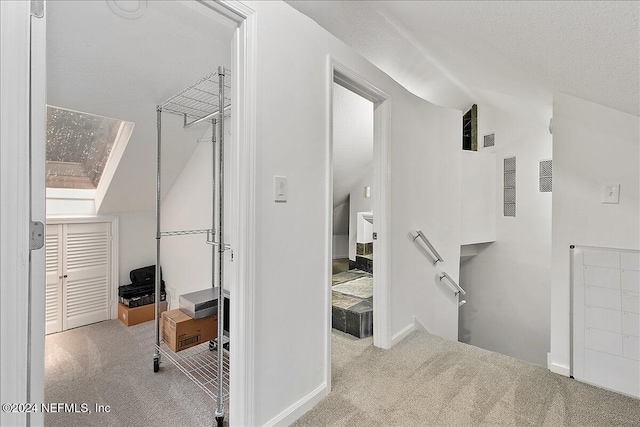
78,147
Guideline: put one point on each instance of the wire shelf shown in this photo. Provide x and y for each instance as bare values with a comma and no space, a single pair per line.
200,100
200,365
186,232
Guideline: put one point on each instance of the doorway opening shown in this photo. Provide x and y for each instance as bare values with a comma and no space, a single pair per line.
353,217
114,72
370,196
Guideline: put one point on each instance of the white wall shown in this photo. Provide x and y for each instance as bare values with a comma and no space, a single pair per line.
137,237
340,246
291,343
66,201
425,194
358,203
508,282
478,197
341,231
186,260
592,145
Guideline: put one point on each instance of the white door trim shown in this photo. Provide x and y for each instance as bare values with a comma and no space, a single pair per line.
351,80
243,207
37,284
14,205
14,210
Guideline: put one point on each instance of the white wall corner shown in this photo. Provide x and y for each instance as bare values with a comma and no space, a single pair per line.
418,326
299,408
404,332
557,368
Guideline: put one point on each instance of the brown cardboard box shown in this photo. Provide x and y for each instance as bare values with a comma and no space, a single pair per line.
133,316
179,331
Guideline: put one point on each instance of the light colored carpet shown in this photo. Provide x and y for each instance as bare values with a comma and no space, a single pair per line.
111,364
422,381
361,287
429,381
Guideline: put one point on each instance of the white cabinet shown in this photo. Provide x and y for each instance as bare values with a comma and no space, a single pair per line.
79,270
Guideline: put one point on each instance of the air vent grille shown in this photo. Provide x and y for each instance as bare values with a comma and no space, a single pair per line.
509,199
546,173
489,140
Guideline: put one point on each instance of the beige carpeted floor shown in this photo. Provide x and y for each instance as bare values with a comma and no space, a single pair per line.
111,364
429,381
422,381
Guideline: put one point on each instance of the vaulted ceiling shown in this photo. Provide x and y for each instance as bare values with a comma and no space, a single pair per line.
455,53
122,66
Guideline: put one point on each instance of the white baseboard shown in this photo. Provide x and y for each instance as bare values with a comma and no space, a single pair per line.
558,368
402,334
295,411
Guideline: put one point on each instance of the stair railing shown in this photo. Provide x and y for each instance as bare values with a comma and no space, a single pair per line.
437,258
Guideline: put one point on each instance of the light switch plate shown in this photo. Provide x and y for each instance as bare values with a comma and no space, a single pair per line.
611,193
280,188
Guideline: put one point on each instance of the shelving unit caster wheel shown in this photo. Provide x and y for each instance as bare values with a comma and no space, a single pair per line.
220,421
156,364
213,345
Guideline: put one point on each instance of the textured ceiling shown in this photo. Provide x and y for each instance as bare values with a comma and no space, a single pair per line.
101,63
455,53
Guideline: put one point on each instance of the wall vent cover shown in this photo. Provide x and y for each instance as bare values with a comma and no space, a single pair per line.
509,196
489,140
546,173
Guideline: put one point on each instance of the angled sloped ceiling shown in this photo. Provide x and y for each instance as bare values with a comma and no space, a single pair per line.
101,63
352,142
455,53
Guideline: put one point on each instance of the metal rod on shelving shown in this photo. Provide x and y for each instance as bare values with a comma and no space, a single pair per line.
185,232
158,235
221,246
208,116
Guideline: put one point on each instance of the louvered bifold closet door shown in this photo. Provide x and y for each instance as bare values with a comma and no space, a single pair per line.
53,305
87,264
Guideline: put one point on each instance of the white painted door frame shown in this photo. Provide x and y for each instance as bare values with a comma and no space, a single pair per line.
352,81
243,207
22,154
22,119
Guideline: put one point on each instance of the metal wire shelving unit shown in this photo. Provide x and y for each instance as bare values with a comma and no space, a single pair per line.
207,364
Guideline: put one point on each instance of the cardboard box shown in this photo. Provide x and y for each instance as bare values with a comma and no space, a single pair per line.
180,331
133,316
